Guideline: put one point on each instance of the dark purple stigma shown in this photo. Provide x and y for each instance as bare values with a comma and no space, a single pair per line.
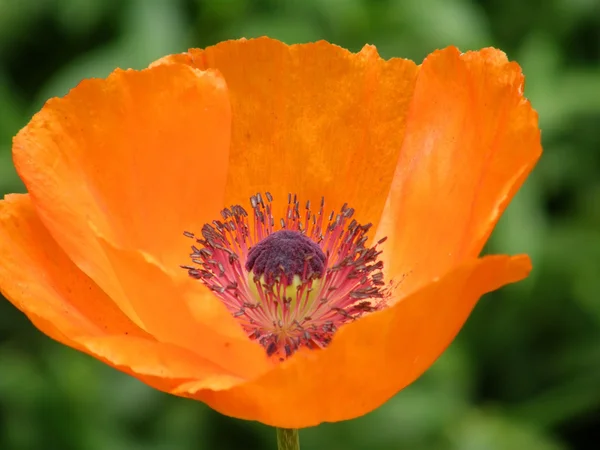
288,253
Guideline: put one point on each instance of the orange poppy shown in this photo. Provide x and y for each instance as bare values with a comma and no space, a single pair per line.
123,173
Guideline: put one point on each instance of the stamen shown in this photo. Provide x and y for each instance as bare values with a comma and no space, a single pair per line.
295,286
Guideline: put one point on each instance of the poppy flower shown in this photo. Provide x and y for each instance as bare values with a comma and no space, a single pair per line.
175,227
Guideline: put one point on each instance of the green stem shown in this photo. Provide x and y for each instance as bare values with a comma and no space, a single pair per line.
287,439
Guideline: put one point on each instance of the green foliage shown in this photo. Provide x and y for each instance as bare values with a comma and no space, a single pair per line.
524,373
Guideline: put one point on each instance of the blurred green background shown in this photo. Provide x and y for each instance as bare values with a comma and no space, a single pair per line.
525,371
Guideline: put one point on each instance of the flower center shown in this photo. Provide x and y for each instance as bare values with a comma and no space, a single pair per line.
295,286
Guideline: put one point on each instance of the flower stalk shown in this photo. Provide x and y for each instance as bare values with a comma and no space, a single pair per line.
288,439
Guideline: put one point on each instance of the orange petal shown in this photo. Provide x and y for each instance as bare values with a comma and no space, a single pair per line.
185,313
369,360
471,140
40,280
312,119
137,158
118,169
162,366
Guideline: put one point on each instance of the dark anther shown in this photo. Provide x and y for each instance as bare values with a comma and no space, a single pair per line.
271,349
